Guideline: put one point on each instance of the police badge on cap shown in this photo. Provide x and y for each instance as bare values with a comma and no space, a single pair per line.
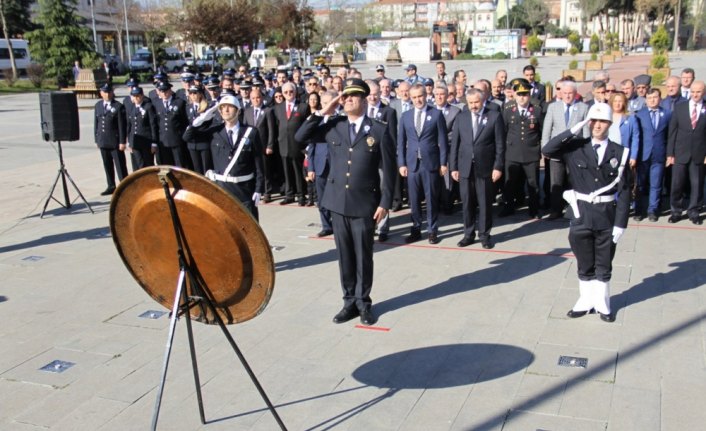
356,86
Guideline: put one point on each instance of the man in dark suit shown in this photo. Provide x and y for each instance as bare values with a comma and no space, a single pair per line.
686,153
142,129
476,161
109,127
449,190
599,202
653,120
257,115
523,122
401,104
381,112
172,124
318,171
287,117
357,147
422,149
673,95
538,90
236,150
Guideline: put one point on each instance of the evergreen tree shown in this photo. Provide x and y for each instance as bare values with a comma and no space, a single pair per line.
60,40
17,17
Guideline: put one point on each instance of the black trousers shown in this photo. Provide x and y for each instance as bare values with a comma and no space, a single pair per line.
354,243
243,192
477,192
113,162
515,175
594,251
557,181
324,214
694,174
141,158
293,177
201,159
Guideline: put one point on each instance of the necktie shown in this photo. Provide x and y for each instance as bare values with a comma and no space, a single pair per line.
653,114
352,132
522,113
595,150
230,138
405,107
694,117
567,114
474,117
106,106
371,114
289,111
256,114
166,104
418,125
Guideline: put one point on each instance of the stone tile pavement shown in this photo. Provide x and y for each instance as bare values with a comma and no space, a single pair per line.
468,339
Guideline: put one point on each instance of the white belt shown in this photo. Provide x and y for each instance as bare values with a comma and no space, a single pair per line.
228,178
595,199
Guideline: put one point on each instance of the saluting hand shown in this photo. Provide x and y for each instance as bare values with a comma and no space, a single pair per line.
330,107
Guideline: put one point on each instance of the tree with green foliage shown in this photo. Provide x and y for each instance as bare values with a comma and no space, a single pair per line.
60,40
660,40
534,44
575,40
536,14
595,44
15,20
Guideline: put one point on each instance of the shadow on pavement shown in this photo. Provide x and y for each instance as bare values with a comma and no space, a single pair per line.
499,271
95,233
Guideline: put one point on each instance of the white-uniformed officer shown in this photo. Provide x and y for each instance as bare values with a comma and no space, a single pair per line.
599,202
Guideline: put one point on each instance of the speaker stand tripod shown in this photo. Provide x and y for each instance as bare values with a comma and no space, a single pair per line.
63,174
183,302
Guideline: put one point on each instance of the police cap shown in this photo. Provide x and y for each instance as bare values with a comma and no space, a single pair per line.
356,86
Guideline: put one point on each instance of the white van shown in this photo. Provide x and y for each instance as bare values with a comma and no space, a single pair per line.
257,58
22,57
173,60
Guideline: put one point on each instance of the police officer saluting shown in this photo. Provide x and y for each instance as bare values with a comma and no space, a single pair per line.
237,152
599,201
357,146
109,128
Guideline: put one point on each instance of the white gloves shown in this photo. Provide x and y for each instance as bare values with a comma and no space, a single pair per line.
617,233
256,198
207,115
579,127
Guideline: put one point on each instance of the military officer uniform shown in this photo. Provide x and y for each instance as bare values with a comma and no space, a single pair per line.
109,128
142,131
353,194
599,206
199,146
172,124
522,153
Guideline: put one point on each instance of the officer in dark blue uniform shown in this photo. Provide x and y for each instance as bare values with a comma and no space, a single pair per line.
109,127
172,124
142,129
599,202
236,149
357,146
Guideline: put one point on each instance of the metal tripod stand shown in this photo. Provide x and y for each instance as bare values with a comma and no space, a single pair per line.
191,292
63,174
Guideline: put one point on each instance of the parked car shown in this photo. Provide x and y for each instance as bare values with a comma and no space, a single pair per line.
141,61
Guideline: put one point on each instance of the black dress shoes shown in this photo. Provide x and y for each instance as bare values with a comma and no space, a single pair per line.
414,236
486,243
433,238
652,217
107,192
506,211
554,216
396,206
574,314
324,232
673,218
346,314
696,220
637,217
302,202
466,241
610,318
382,237
267,198
286,201
367,317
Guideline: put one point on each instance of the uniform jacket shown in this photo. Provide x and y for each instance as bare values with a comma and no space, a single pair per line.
486,152
587,176
524,133
250,158
353,187
283,129
109,125
142,125
172,122
432,144
653,142
686,144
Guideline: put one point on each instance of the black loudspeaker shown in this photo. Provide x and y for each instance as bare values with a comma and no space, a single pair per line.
59,111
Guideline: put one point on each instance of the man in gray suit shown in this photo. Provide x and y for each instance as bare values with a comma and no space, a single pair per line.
561,115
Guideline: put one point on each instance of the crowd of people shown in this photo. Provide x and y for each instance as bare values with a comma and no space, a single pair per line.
360,146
